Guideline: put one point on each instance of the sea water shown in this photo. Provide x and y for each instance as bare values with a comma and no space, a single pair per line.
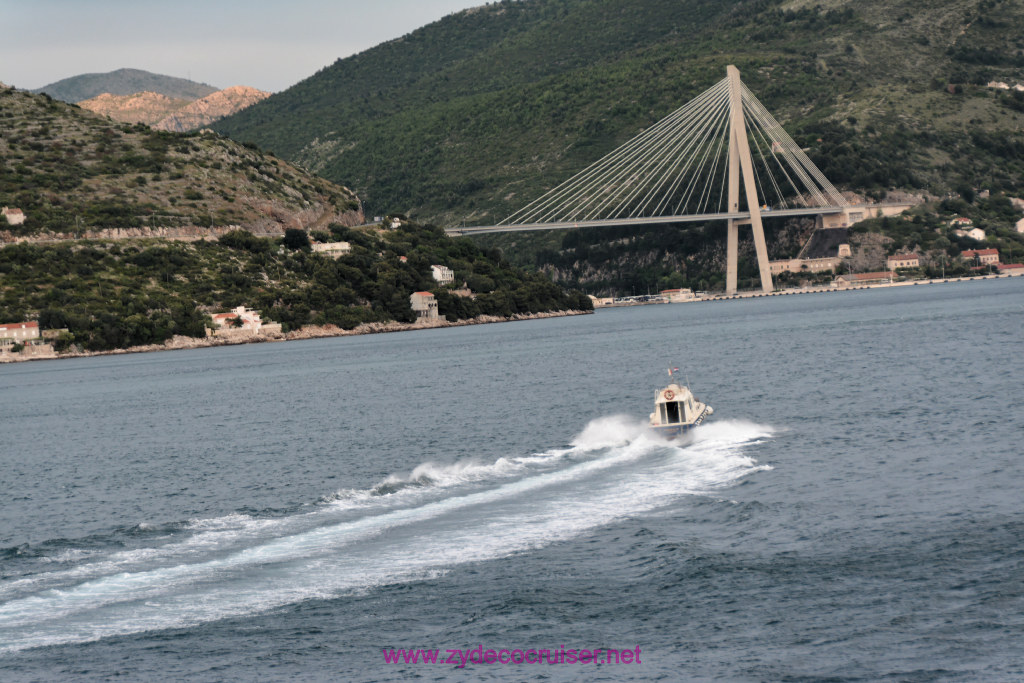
316,510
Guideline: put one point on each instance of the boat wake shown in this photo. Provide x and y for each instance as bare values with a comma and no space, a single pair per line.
409,526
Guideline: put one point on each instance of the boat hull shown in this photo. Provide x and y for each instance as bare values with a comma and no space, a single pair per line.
670,431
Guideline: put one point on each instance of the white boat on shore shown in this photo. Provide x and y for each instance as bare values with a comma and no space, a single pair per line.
677,411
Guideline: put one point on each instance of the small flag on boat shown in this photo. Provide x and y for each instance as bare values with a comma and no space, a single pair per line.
671,370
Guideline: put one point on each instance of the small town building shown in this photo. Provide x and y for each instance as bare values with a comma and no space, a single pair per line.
332,249
677,295
13,216
844,251
984,257
443,274
856,279
902,261
424,305
960,222
1011,268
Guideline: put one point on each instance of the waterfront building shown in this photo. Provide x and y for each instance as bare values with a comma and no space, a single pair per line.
425,306
855,279
18,333
677,295
248,323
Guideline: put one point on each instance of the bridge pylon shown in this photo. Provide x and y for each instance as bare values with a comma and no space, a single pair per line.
741,165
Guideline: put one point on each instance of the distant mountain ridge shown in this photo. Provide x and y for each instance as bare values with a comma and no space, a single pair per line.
174,114
124,82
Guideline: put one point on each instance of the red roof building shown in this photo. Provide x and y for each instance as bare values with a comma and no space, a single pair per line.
986,257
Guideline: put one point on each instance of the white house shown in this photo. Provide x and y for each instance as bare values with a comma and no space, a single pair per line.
443,274
424,304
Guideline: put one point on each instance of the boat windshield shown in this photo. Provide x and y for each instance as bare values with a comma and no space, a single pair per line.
673,412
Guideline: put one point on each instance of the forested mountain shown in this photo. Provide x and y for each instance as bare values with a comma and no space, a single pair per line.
124,82
469,118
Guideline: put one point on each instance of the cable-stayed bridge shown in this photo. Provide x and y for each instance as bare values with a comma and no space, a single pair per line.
691,167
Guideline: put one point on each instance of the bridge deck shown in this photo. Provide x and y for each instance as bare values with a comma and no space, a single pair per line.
653,220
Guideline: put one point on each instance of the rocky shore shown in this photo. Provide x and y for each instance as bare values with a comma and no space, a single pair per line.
306,332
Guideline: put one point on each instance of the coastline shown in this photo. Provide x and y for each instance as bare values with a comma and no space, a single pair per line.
179,342
754,294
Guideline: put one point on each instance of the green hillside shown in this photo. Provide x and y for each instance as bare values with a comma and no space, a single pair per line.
124,82
469,118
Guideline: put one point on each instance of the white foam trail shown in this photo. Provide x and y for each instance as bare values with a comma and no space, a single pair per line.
223,533
388,544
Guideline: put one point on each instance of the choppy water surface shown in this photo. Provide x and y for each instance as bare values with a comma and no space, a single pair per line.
287,511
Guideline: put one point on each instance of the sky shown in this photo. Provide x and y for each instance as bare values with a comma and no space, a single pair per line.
260,43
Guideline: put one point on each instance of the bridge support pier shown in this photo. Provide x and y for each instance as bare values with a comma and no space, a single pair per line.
732,255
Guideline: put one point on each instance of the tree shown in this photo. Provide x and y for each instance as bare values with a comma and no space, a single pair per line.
296,239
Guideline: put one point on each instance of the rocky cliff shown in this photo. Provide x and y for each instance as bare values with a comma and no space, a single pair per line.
141,107
215,106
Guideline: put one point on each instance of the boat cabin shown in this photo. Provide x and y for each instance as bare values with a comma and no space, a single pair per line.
674,404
